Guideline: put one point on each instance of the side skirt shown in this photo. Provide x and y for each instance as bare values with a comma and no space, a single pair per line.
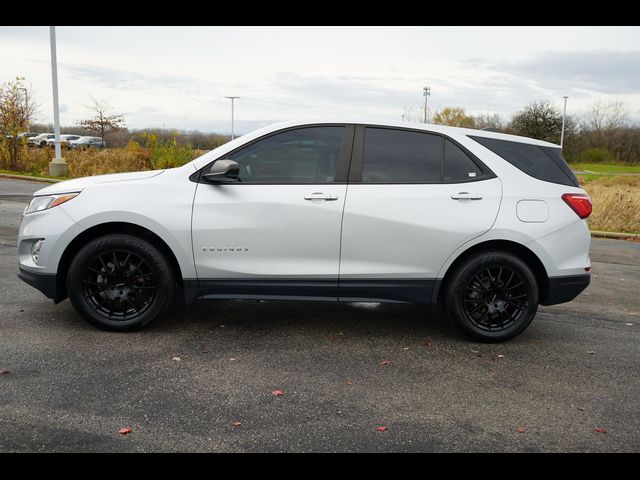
352,290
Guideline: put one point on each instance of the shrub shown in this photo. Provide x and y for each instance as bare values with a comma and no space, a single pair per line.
167,153
595,155
97,162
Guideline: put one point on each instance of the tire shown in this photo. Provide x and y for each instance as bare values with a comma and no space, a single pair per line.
491,297
121,298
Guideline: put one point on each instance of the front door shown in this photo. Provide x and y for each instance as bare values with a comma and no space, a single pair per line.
276,233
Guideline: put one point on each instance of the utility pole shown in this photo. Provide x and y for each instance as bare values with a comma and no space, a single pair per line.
232,128
427,92
57,167
564,114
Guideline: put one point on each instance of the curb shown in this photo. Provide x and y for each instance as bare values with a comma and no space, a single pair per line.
30,178
617,235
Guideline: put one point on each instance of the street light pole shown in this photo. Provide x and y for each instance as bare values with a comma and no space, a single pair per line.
427,92
57,167
26,102
564,114
232,127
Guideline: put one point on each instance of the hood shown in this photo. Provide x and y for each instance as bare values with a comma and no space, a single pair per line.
77,184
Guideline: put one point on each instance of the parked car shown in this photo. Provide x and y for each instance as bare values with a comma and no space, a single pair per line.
27,135
486,224
87,142
40,140
64,140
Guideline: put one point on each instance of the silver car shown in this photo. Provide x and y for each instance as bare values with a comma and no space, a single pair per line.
64,140
87,142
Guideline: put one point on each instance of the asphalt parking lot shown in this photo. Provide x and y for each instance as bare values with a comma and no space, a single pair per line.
183,383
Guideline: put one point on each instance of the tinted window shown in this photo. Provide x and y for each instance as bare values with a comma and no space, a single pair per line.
458,166
304,155
399,156
532,160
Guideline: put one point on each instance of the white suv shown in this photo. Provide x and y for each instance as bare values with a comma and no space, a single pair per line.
489,225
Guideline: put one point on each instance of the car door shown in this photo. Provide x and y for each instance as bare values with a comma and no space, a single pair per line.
414,197
276,232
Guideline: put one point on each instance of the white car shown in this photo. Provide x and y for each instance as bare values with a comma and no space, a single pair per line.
87,142
64,139
487,224
40,140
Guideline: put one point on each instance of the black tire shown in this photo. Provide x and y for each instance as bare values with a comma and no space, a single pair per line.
120,282
491,297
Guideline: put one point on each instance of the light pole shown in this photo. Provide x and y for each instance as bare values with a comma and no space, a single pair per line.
564,114
57,167
232,130
427,92
26,102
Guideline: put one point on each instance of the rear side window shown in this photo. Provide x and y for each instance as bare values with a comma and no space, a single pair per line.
399,156
543,163
458,166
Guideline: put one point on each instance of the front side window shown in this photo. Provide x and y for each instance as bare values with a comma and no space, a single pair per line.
303,155
400,156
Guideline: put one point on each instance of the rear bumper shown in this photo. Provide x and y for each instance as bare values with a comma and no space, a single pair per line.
564,289
45,282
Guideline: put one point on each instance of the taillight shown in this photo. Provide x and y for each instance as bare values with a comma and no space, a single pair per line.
579,203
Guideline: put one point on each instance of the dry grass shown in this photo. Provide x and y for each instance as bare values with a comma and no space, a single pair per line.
616,203
98,162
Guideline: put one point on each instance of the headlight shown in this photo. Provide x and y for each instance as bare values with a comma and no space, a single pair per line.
48,201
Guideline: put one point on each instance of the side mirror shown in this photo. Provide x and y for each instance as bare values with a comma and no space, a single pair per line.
223,171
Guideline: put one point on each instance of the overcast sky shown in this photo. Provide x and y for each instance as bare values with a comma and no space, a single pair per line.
177,77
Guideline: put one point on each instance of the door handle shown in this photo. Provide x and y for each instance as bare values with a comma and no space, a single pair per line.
321,196
466,196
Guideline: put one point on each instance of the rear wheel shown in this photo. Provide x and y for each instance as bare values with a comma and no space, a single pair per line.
492,297
120,282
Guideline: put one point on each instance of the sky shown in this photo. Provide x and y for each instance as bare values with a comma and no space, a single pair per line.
177,77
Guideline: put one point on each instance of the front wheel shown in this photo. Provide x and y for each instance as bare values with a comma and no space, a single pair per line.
491,297
120,282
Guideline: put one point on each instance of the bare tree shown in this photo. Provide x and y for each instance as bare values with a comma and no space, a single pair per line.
103,122
15,113
606,116
489,121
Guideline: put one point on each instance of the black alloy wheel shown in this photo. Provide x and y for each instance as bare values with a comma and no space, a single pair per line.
492,296
121,282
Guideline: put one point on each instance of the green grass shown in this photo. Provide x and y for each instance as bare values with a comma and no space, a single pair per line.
605,168
31,174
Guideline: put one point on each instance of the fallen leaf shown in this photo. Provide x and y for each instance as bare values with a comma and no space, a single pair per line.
521,429
237,424
4,371
332,337
381,429
591,352
277,393
500,356
428,343
475,351
385,363
177,359
349,382
580,409
125,431
601,430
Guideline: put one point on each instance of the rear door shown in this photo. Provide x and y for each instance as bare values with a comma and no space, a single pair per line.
414,197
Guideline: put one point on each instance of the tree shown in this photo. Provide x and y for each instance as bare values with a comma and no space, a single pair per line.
454,117
538,119
103,122
14,119
605,117
489,121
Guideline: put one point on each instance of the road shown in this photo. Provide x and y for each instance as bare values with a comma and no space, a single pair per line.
181,384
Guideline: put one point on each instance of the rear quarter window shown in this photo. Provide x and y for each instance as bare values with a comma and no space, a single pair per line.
543,163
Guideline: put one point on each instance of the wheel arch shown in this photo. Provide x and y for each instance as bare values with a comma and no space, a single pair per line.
100,230
518,249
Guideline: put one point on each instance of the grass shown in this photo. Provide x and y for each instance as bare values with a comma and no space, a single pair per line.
605,168
31,174
616,203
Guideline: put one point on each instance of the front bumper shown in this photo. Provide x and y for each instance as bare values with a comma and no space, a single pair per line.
564,289
45,282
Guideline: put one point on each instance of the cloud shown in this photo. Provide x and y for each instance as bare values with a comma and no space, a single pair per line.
602,71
